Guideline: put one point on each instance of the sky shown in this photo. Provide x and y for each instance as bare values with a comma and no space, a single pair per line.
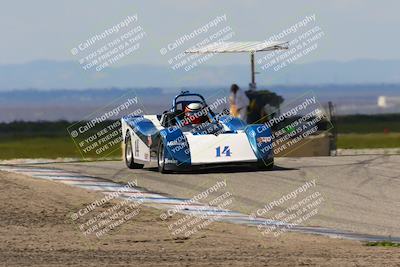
48,29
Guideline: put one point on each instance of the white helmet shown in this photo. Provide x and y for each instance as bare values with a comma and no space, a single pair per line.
193,107
193,113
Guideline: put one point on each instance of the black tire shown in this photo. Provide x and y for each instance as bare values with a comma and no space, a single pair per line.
161,158
266,165
129,159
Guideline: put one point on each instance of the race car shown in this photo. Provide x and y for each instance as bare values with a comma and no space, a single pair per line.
191,135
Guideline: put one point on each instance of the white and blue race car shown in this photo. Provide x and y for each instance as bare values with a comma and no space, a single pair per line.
183,138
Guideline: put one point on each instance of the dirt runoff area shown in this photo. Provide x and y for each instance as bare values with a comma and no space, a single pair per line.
36,229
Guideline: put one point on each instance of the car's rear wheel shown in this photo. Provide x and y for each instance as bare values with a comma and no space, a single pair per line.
129,158
267,165
161,158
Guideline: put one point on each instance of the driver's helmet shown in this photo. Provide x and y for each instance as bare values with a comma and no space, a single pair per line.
193,113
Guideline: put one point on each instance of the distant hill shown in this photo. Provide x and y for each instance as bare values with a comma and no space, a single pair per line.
70,75
34,105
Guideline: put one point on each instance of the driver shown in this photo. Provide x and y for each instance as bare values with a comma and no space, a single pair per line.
193,114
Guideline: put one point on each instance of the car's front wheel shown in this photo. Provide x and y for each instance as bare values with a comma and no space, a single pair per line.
129,158
161,158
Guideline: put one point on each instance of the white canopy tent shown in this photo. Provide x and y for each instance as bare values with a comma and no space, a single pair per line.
240,47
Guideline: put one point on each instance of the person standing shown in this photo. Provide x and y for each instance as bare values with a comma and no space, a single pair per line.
238,103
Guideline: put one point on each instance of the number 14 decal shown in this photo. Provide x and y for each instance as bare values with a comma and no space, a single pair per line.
225,152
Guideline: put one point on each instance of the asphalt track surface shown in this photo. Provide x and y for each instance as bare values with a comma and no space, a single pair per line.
361,193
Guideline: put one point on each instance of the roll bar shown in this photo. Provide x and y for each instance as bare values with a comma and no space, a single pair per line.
184,94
